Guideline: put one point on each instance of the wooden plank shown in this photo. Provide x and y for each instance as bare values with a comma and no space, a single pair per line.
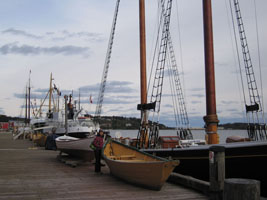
34,173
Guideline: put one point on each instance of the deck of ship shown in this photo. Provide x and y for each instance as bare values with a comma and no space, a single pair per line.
30,172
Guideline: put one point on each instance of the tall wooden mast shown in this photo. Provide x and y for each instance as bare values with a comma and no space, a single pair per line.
143,54
211,118
143,133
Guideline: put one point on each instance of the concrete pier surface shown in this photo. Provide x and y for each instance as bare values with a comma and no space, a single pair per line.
28,172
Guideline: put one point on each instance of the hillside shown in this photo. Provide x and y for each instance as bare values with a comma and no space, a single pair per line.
116,122
106,122
238,126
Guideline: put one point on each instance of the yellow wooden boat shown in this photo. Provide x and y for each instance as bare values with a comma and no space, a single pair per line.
134,166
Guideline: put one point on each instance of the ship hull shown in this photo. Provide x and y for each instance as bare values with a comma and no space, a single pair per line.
242,160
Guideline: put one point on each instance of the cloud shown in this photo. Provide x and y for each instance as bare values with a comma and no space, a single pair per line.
114,100
234,110
2,111
33,95
61,35
88,36
41,90
221,64
13,48
198,95
119,87
111,87
49,33
197,89
196,102
83,34
228,102
168,106
21,33
90,88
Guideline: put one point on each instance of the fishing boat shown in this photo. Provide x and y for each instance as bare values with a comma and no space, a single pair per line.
134,166
77,136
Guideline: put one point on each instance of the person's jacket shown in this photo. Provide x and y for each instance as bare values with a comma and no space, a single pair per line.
98,142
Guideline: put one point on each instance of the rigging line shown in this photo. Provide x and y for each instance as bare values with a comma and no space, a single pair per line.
237,52
159,75
235,62
259,58
251,81
176,82
181,49
157,49
160,17
106,65
173,92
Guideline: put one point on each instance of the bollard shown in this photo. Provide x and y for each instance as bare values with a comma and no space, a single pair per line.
241,189
216,171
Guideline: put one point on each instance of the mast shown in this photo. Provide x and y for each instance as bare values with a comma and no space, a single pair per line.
26,105
66,114
211,118
50,94
143,83
79,100
29,98
143,55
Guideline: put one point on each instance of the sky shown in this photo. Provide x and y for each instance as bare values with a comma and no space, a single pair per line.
69,39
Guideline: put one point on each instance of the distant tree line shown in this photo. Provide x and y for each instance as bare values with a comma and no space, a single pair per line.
117,122
239,126
4,118
106,122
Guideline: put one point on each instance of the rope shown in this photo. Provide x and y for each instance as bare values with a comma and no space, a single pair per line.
106,65
238,57
259,58
238,80
181,49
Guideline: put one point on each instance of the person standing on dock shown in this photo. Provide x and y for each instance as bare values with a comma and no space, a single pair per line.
98,143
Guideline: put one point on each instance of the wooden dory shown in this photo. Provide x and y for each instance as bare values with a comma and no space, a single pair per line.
134,166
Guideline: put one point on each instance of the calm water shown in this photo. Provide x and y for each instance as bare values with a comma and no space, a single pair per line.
197,134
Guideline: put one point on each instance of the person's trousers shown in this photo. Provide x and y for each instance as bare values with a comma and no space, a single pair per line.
97,160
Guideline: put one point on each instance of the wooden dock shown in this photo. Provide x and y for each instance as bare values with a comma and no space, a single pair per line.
32,173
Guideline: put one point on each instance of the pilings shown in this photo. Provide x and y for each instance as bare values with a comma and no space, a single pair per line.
241,189
219,188
216,171
228,189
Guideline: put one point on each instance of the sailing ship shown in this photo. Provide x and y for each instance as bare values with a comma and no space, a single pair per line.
242,160
134,166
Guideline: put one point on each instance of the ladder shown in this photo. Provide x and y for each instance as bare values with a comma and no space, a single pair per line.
256,130
184,132
106,65
159,74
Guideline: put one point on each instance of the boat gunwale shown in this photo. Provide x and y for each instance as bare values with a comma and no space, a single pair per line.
206,147
160,159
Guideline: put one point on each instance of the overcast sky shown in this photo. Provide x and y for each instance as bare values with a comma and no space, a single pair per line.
69,39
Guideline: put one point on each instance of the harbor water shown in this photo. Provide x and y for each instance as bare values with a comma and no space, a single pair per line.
197,134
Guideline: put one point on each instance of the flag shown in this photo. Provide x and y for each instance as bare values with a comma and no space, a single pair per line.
91,101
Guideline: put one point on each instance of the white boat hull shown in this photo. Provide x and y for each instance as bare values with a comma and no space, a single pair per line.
78,147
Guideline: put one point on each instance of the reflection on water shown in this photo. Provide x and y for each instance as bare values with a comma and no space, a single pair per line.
197,134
